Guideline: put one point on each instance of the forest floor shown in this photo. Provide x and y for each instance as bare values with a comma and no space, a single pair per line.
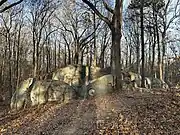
157,112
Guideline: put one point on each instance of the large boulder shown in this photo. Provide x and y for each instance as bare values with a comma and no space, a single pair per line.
135,79
51,90
31,92
148,83
164,85
70,74
77,74
101,85
60,91
157,83
39,92
177,85
20,97
96,72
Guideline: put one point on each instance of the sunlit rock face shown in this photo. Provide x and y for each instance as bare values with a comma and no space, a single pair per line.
135,78
177,86
76,74
60,91
164,85
70,74
31,93
148,83
95,72
101,85
21,95
51,90
157,83
39,92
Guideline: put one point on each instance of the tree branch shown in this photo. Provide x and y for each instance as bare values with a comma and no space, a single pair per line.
2,2
108,7
10,6
105,19
65,27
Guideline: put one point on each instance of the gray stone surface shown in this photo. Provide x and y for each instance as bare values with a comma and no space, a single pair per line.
69,74
33,93
148,83
39,92
135,79
20,97
101,85
60,91
157,83
51,90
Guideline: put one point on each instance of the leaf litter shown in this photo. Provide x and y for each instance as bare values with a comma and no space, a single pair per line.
132,112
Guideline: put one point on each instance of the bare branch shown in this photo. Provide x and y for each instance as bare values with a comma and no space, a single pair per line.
176,15
65,27
105,19
84,41
2,2
82,33
10,6
108,7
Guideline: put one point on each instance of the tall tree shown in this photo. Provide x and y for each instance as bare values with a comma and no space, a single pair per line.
142,41
115,24
170,12
41,12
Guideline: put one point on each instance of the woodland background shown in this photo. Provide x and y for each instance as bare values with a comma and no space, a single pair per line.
39,36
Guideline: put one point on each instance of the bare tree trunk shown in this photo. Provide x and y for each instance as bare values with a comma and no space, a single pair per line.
103,48
14,61
142,42
164,73
94,27
47,59
51,59
115,25
77,52
18,55
55,46
127,56
159,49
9,62
153,52
34,53
65,56
90,63
43,57
130,57
2,69
59,55
69,55
149,61
82,57
116,66
137,55
3,65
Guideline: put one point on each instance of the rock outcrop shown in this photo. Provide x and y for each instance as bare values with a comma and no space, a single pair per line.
70,74
77,74
33,93
101,85
20,97
148,83
51,90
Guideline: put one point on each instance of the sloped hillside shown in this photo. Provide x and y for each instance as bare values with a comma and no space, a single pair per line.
157,112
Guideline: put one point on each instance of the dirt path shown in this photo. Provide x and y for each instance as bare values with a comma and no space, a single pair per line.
117,113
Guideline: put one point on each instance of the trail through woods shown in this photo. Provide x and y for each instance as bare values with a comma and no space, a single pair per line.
157,112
